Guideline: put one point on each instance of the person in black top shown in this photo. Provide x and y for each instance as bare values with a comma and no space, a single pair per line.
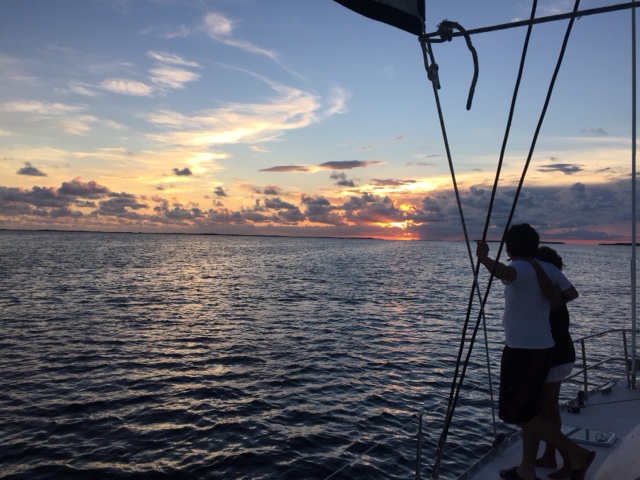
563,359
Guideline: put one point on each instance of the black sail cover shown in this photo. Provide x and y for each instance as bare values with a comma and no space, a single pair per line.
407,15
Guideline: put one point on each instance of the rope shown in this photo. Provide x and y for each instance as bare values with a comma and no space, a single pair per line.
445,29
432,70
455,390
454,398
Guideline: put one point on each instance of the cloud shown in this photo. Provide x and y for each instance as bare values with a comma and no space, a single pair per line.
171,59
41,108
342,180
220,28
127,87
574,212
566,168
286,168
334,165
78,188
391,183
84,89
30,170
278,204
239,122
217,25
219,192
347,164
121,205
185,172
171,77
272,190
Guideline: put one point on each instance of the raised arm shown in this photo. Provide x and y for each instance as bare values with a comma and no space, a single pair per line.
499,269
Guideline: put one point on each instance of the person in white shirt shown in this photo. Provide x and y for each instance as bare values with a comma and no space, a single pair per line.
529,293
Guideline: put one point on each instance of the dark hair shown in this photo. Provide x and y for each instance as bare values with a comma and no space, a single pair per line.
522,240
549,255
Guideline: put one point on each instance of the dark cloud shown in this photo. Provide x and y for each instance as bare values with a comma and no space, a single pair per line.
272,190
342,180
219,192
30,170
566,168
277,204
78,188
185,172
347,164
286,168
292,216
319,210
374,209
120,205
390,182
597,132
571,212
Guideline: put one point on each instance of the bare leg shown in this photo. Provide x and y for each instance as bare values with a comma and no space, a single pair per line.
550,396
551,411
545,430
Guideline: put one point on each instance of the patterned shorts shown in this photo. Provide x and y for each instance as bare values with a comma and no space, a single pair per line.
522,375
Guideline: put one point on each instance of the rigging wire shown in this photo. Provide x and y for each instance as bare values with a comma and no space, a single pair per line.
521,182
633,197
455,390
432,74
431,37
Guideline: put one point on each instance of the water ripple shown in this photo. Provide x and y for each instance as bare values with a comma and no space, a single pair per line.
153,357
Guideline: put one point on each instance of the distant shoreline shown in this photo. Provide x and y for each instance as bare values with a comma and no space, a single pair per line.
626,244
45,230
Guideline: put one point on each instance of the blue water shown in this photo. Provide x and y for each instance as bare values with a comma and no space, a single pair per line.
127,356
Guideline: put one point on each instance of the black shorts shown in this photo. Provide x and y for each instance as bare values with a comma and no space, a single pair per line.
522,375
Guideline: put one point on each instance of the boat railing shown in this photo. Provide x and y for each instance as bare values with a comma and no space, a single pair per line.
588,364
589,370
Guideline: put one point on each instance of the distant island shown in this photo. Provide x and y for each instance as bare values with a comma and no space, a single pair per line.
626,244
541,242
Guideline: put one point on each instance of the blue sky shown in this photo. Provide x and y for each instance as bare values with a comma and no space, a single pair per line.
304,118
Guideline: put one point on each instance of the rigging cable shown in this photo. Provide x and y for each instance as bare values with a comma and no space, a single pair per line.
633,197
521,182
432,74
431,37
535,136
455,391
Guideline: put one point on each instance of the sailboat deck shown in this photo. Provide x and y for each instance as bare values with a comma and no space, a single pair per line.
617,411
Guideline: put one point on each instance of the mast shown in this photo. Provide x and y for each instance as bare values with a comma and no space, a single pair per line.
633,197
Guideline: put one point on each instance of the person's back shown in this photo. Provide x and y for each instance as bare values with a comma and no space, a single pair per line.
526,310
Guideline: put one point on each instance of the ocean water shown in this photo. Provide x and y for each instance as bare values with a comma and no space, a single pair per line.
127,356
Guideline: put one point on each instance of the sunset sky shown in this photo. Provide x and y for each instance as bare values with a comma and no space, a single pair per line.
301,117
